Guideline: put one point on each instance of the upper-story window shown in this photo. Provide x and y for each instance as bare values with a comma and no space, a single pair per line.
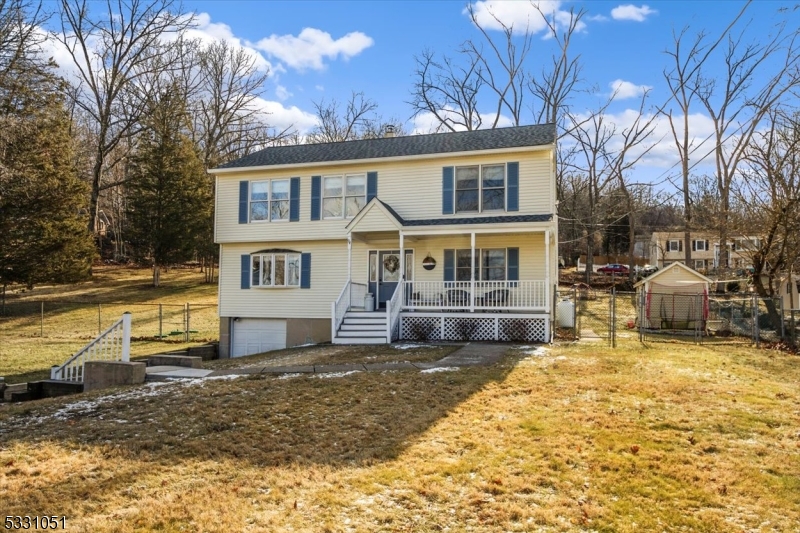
675,246
480,188
343,196
269,200
700,246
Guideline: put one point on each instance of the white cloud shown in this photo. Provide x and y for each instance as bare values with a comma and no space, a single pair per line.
208,32
621,89
281,117
319,87
282,93
522,16
662,154
631,12
428,123
312,46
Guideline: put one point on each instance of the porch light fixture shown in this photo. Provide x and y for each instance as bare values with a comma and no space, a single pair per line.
429,263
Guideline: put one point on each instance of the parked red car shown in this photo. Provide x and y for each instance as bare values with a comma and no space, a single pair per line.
614,268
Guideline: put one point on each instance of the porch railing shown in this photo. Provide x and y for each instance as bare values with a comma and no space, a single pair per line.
393,308
525,295
114,344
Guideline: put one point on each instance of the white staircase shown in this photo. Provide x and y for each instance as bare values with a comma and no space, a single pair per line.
359,327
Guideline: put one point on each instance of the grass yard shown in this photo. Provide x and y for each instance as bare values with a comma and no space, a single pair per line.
671,437
74,315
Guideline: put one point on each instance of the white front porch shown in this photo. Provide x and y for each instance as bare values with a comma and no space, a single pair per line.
473,281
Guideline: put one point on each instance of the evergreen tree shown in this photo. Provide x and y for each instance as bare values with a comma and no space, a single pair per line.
168,191
44,236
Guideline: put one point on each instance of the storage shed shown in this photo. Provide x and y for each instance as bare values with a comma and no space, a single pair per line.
675,297
789,293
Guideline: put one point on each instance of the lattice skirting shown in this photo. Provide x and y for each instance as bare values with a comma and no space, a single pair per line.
466,328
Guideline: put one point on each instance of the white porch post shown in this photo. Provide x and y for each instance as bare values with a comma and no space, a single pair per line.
547,270
402,258
472,273
349,257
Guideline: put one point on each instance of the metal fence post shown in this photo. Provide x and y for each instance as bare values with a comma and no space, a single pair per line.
575,313
99,321
41,322
755,313
160,322
783,324
188,321
793,334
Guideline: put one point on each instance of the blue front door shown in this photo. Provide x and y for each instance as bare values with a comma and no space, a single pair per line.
384,274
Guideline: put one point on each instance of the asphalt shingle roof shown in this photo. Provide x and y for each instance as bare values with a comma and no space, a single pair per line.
436,143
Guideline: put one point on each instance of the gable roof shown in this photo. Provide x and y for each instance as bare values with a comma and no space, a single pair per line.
390,214
691,271
411,145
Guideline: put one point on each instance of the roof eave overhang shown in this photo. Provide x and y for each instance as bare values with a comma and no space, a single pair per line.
499,227
419,157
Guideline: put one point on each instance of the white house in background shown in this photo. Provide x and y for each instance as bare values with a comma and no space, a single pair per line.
454,234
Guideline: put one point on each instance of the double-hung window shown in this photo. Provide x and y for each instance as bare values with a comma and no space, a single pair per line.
700,245
275,270
343,196
674,246
490,266
480,188
269,200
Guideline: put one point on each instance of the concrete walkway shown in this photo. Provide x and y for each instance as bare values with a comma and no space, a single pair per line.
469,355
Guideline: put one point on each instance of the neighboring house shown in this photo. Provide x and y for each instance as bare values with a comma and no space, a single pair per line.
666,247
676,297
454,234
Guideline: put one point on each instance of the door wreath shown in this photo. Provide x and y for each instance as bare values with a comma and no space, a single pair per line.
391,263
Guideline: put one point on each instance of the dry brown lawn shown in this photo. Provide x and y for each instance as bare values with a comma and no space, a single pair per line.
74,314
671,437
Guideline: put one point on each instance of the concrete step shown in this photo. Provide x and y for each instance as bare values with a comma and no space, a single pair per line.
361,333
362,327
365,314
359,340
187,361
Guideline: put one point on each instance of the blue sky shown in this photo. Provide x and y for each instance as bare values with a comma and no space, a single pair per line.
327,49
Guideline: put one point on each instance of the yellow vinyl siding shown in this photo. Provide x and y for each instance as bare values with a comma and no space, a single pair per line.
676,276
413,188
531,253
328,276
376,220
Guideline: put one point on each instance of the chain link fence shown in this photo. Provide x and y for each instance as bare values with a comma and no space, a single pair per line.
80,320
587,314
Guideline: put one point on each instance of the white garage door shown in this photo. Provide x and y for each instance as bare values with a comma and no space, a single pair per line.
256,335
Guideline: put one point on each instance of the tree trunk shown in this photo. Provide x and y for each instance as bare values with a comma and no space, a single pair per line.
156,275
775,317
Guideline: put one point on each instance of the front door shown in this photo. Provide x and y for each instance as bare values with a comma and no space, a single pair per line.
384,273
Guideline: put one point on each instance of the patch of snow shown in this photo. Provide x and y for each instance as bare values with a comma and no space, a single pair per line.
525,347
539,351
440,369
289,376
336,374
410,346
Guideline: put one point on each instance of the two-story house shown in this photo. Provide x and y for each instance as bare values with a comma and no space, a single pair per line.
666,247
454,236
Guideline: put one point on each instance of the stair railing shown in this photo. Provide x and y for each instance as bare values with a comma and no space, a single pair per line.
393,307
339,308
114,344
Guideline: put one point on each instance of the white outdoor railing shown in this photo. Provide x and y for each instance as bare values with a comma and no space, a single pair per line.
357,293
476,295
393,307
114,344
339,308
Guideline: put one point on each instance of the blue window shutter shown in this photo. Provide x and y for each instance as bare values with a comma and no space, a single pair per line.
448,186
449,265
316,197
246,271
512,181
294,200
512,265
244,196
372,185
305,271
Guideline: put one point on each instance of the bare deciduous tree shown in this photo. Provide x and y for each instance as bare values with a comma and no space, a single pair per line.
110,51
357,121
